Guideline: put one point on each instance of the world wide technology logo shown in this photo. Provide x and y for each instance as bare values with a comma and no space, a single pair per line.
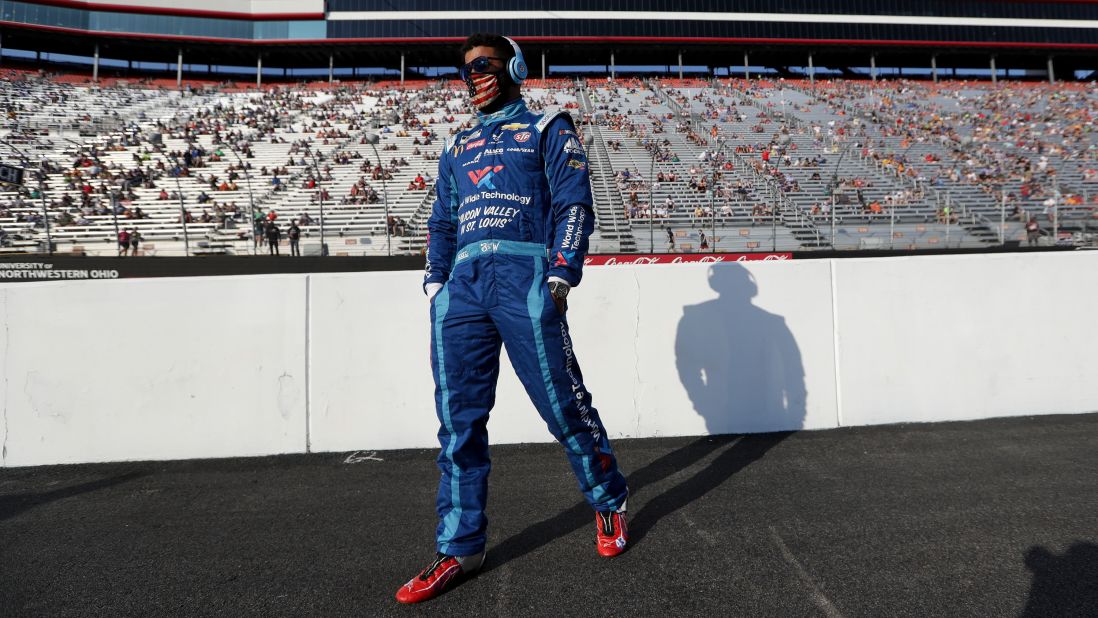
483,177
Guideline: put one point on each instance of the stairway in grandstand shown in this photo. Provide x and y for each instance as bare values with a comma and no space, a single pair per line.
614,234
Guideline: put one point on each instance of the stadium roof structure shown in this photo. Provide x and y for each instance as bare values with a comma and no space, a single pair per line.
424,33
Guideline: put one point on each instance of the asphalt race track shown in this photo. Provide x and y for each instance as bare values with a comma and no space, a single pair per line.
987,518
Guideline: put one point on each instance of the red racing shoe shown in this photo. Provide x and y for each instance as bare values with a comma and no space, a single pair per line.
438,576
433,581
612,533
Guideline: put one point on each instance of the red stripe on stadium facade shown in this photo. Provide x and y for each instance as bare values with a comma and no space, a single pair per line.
180,12
564,39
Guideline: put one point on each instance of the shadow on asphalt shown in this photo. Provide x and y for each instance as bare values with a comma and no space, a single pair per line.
13,505
1063,585
738,452
742,369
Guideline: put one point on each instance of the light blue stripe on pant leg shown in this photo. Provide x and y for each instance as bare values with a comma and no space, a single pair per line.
535,305
453,518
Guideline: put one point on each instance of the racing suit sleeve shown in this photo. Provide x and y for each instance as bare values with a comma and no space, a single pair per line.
441,226
571,214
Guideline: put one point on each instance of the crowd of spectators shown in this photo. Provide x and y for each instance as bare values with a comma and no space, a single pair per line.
715,151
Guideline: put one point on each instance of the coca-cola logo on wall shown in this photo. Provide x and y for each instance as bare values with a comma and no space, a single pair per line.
622,260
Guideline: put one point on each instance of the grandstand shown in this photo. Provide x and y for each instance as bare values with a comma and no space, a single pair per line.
752,165
779,154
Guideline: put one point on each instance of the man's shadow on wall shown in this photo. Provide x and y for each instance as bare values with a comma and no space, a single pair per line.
739,364
742,370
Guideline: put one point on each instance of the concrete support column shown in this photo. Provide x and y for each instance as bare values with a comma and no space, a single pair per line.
994,72
811,71
873,67
179,69
680,65
746,67
543,64
612,69
95,64
258,71
401,68
1051,71
331,68
934,67
1,48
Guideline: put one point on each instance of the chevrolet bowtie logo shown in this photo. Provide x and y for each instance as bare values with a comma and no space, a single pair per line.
483,177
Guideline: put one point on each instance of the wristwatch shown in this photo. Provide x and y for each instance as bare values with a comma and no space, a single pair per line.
559,290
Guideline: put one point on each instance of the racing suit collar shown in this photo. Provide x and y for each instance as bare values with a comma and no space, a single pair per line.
507,112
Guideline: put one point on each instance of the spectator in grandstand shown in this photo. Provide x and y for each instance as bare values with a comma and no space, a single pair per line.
123,243
294,234
501,276
274,235
260,232
1018,213
757,211
703,242
670,239
135,241
1033,231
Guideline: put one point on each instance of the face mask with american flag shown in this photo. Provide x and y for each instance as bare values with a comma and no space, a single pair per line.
483,89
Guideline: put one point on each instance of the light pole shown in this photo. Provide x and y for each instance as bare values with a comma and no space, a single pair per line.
41,174
834,184
712,194
114,213
783,140
652,198
372,139
892,225
182,209
1056,213
948,216
251,196
320,196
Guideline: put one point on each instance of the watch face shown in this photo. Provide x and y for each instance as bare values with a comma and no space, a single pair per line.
558,290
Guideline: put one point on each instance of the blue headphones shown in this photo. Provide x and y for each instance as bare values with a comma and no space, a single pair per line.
516,67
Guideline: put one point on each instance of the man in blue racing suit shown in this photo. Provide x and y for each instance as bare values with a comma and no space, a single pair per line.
507,239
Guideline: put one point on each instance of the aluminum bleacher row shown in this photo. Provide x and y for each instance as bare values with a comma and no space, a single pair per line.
723,165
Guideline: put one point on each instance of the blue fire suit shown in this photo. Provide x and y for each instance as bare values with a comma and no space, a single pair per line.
513,210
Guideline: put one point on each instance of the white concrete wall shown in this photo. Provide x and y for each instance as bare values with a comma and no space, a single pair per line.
208,367
152,369
946,337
